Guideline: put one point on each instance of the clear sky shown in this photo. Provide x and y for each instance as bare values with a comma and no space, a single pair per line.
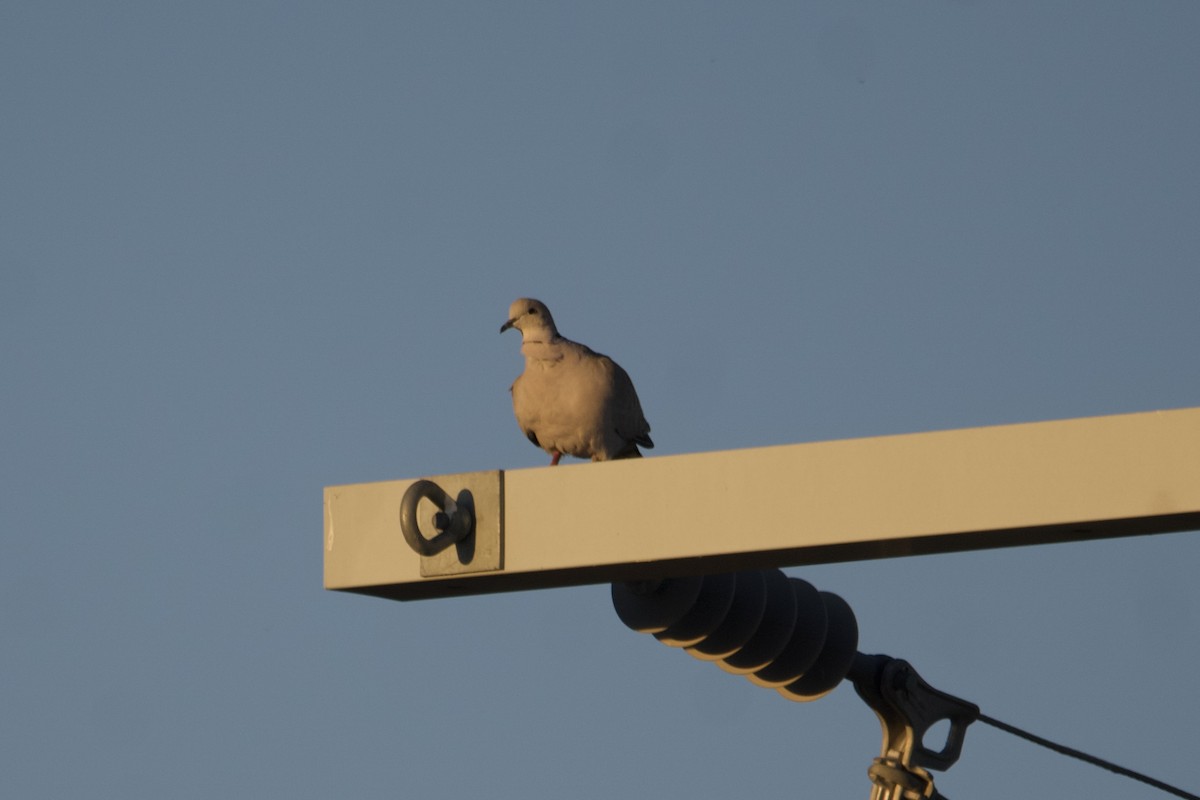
248,250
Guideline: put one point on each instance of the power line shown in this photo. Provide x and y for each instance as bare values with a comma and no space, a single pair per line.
1090,759
719,616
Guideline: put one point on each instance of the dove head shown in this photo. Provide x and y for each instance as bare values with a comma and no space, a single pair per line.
532,319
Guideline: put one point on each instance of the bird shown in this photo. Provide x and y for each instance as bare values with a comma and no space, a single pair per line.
571,400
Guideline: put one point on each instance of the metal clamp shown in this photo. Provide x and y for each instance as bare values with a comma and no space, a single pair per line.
907,708
454,521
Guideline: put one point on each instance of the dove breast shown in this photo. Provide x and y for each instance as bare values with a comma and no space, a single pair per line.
575,401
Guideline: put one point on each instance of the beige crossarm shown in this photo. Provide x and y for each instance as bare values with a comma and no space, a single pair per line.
785,505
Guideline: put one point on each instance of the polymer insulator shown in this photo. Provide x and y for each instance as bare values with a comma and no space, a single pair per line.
777,631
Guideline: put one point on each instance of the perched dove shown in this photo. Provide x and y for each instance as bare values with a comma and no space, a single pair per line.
571,399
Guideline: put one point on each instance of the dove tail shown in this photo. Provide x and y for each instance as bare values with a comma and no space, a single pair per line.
629,451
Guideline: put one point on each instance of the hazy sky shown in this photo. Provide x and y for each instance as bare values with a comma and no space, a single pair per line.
248,250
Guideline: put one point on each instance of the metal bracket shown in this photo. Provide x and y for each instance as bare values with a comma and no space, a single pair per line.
907,708
466,512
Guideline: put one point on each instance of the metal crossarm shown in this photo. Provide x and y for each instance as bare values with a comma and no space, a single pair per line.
785,505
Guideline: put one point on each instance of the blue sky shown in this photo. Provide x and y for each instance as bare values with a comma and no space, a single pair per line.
253,249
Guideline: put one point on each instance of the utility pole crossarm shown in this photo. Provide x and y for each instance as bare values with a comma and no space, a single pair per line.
785,505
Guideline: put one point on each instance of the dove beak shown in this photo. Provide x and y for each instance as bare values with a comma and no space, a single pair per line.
507,325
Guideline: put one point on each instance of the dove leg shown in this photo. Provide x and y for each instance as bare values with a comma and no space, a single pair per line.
554,458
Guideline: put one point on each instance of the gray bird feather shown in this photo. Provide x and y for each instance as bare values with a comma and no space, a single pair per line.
571,400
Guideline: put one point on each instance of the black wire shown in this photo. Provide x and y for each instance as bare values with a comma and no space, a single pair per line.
1099,762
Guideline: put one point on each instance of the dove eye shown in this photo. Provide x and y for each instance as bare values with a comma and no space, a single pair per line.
532,310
